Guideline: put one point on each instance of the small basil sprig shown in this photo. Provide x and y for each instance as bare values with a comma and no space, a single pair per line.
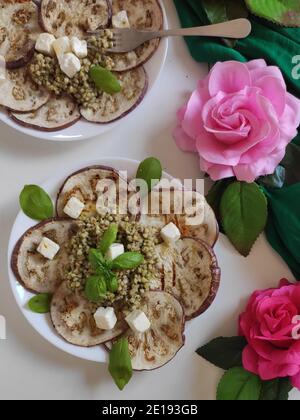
36,203
120,366
108,238
104,279
127,261
40,304
95,288
105,80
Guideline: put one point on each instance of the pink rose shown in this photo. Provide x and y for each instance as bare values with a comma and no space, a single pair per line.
269,325
240,120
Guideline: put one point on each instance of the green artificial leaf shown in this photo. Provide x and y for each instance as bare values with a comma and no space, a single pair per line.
150,170
224,352
244,213
276,390
36,203
127,261
219,11
282,12
239,385
108,238
105,80
95,289
291,164
40,304
277,180
215,194
120,366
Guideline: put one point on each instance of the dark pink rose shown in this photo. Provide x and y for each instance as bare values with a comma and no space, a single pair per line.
239,120
271,325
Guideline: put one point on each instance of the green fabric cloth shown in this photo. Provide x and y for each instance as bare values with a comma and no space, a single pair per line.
277,45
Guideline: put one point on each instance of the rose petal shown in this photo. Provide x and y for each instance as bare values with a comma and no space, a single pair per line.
295,381
255,64
290,120
268,370
273,90
216,172
259,73
192,120
228,77
183,141
250,360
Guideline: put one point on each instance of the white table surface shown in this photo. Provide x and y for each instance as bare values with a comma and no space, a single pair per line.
30,368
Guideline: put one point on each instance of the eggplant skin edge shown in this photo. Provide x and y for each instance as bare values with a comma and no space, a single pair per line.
16,250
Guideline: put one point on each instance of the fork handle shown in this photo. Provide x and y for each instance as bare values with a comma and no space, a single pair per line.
238,28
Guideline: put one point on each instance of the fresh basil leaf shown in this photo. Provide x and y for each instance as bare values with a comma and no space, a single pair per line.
282,12
120,366
239,385
291,164
214,196
95,289
105,80
127,261
36,203
40,304
224,352
276,180
96,259
244,213
108,238
112,283
150,170
276,390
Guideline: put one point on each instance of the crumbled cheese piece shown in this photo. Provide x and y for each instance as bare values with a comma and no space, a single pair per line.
48,248
79,47
170,233
138,321
61,46
105,318
114,251
44,44
120,20
70,64
74,208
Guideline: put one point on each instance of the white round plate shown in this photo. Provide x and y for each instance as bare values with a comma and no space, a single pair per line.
42,323
83,129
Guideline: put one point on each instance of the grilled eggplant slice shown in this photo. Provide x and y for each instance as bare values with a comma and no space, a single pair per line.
74,17
56,114
143,15
113,107
35,272
84,185
160,344
190,271
179,206
72,317
19,29
20,94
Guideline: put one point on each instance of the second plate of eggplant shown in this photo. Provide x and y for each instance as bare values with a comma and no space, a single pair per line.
176,282
36,110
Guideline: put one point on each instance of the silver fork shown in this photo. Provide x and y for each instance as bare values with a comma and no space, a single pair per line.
126,40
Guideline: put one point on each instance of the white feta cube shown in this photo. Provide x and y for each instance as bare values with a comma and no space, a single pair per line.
138,321
61,46
120,20
44,44
79,47
74,208
48,248
170,233
114,251
105,318
70,64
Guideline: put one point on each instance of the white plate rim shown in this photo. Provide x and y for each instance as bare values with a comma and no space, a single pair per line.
40,322
90,130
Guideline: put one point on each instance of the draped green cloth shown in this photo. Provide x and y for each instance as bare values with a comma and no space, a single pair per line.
277,45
